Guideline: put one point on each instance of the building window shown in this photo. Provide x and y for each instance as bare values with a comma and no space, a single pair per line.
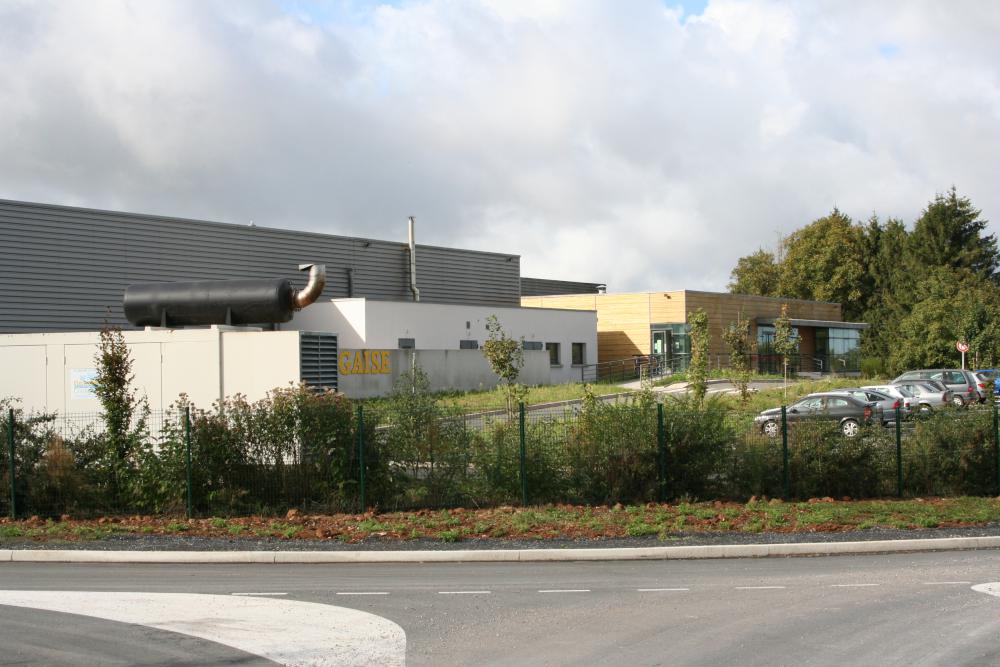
553,350
532,345
578,354
407,343
468,344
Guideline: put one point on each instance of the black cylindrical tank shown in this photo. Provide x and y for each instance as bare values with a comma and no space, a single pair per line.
209,302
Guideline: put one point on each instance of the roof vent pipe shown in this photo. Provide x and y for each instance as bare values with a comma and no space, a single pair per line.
312,290
413,262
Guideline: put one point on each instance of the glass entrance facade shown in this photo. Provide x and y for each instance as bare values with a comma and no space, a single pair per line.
671,344
768,361
840,349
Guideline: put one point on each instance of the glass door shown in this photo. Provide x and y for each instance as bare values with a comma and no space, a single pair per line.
661,348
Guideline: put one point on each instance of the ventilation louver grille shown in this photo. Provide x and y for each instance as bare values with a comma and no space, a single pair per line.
318,359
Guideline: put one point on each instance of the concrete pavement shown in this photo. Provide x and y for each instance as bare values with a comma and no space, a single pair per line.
504,555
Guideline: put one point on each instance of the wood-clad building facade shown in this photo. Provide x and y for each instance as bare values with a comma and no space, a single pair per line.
655,323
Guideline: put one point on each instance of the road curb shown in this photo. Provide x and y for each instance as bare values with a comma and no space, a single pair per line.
501,555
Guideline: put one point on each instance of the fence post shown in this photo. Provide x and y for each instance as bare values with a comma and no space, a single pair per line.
187,454
524,457
10,463
361,456
899,454
996,444
661,451
784,453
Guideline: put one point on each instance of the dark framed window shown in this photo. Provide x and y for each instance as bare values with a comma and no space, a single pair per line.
553,350
579,354
468,344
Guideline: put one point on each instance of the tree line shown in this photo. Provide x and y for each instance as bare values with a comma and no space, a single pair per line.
921,289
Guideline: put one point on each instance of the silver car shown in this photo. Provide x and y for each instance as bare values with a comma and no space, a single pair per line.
911,402
885,401
930,396
963,384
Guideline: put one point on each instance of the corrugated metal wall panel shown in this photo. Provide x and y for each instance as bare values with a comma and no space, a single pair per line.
65,268
545,287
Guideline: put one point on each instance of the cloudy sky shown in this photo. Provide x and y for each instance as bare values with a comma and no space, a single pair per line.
642,143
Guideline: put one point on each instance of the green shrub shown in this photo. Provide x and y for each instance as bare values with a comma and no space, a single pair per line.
611,451
951,453
700,446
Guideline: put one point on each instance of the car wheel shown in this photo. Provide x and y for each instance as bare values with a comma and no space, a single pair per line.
770,429
957,401
850,428
925,409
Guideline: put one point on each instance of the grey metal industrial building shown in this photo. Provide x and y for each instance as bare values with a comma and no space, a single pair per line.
65,268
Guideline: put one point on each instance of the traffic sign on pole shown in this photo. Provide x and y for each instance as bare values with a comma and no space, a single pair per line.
962,347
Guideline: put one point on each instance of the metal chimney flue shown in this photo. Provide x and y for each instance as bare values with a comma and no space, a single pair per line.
312,290
413,260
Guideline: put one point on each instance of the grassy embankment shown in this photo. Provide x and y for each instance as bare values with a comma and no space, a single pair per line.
665,521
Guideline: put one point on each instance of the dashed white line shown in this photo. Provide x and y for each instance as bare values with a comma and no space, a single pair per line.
946,583
852,585
363,593
565,590
464,592
259,594
758,588
657,590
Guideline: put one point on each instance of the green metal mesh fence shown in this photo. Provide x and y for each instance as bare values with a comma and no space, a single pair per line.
318,453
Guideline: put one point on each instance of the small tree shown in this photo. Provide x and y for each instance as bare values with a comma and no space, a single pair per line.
506,357
741,348
125,415
698,368
785,343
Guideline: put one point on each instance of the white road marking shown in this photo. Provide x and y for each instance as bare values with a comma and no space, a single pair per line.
260,594
758,588
852,585
566,590
654,590
992,588
946,583
463,592
288,632
364,593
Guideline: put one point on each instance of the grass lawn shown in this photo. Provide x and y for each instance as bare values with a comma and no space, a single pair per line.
774,395
493,399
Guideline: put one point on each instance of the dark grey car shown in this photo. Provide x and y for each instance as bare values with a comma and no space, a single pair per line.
850,413
964,385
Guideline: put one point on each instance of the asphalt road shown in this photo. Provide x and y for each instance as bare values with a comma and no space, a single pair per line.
912,609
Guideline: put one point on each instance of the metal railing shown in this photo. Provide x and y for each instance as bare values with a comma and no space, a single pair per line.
636,367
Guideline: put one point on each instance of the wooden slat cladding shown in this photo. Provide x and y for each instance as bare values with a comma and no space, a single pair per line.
624,320
64,268
725,308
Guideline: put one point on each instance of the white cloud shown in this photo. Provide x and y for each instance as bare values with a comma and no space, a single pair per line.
601,141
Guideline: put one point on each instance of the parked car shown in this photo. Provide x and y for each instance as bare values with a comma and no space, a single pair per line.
911,401
990,377
930,394
849,412
886,403
963,384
